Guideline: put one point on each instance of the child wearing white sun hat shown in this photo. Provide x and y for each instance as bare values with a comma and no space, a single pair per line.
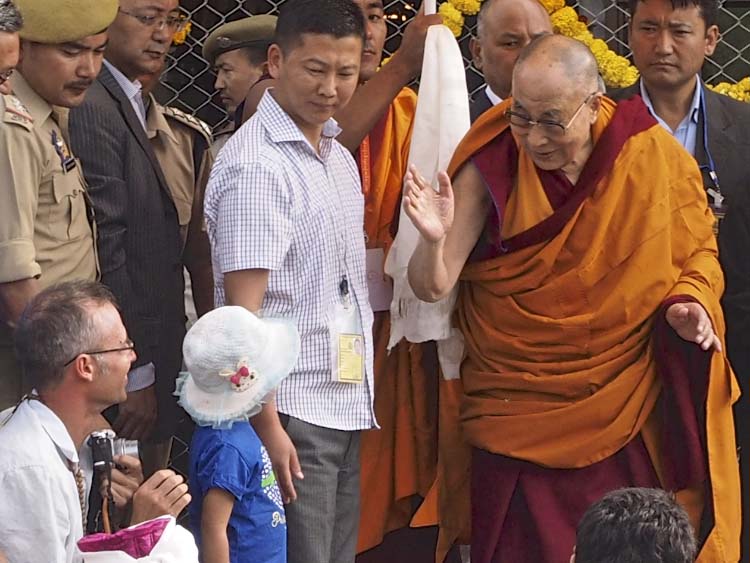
234,359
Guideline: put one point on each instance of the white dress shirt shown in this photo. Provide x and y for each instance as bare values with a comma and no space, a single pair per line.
40,511
274,203
494,98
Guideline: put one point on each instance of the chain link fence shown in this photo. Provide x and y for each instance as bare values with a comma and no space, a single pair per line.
188,83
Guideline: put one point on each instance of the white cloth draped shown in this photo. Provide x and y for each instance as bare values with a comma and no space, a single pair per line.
441,121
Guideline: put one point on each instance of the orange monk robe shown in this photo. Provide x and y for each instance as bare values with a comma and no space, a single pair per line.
398,460
561,370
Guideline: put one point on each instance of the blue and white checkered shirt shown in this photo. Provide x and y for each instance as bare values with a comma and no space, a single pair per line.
273,203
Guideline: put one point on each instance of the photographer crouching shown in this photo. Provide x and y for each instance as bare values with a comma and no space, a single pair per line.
75,351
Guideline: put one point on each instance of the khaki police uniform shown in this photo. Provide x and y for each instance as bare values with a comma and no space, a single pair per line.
172,133
221,136
46,224
174,137
255,31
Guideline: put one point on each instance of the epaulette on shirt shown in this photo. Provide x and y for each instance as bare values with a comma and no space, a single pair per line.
190,121
15,112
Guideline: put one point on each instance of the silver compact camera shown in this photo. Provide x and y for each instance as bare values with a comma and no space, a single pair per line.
105,446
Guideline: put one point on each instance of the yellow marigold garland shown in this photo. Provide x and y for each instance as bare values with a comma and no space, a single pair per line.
181,36
739,91
453,19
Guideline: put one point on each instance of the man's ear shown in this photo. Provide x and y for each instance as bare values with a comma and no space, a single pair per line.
84,367
275,60
573,557
475,48
712,39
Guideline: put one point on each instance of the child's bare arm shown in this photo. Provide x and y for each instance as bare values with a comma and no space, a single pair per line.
217,508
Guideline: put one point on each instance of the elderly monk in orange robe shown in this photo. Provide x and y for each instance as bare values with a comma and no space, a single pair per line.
589,301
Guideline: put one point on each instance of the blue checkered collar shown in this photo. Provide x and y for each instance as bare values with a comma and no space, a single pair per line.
282,128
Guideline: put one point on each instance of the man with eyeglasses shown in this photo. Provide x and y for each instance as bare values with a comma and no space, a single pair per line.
75,350
10,23
139,241
46,229
589,304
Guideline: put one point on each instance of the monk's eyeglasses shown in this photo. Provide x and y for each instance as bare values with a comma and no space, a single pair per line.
175,23
127,345
549,127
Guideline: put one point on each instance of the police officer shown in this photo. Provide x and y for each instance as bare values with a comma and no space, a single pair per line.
181,144
46,227
238,52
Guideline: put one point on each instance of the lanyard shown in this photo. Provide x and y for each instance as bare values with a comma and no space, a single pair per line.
710,167
364,166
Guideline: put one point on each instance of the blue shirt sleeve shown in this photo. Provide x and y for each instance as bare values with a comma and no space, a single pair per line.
222,466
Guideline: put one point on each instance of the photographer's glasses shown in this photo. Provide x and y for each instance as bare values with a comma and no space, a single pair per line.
129,345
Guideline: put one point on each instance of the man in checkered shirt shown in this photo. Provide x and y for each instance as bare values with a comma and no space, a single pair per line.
284,210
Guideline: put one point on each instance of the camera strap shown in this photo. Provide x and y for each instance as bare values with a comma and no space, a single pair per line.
81,486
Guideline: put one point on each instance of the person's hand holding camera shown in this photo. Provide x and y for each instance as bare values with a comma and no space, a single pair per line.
127,476
165,492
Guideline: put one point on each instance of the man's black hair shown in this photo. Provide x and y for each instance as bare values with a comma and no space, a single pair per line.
256,55
635,525
337,18
708,8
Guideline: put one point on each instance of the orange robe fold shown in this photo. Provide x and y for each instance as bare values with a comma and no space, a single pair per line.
398,460
560,369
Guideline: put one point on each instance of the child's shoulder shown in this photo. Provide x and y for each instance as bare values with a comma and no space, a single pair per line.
241,437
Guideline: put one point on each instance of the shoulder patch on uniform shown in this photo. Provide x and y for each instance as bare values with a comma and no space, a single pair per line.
16,112
189,120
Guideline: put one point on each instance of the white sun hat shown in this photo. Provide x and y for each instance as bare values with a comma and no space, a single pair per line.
233,360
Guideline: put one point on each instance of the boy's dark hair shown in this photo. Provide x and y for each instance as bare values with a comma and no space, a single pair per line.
338,18
708,8
635,526
55,327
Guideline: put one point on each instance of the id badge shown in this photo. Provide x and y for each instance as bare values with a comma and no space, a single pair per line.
379,286
718,205
347,344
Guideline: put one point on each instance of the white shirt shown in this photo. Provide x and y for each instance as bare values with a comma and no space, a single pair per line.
687,131
494,98
274,203
40,511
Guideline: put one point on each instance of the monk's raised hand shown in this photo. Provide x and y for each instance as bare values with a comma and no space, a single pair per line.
430,211
691,322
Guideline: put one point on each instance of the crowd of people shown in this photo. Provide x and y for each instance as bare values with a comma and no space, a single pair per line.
596,239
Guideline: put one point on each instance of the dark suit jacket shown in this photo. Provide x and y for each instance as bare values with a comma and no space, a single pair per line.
479,105
138,229
729,145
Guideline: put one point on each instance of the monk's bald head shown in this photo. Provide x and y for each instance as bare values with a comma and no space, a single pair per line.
502,9
559,64
504,28
556,100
